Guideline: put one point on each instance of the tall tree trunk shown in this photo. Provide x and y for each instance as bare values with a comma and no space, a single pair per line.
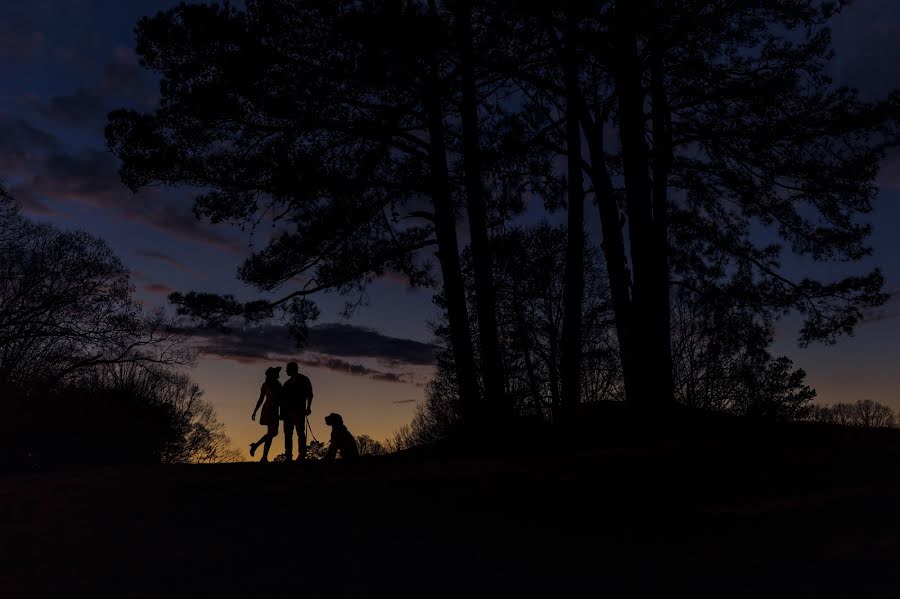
574,270
613,246
662,161
448,255
654,384
482,259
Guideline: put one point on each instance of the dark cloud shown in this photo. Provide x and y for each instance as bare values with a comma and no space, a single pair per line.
327,347
879,315
91,177
889,311
83,108
160,288
339,365
18,41
889,176
251,343
867,46
126,80
163,257
37,168
30,202
122,83
348,340
243,356
333,339
178,220
22,145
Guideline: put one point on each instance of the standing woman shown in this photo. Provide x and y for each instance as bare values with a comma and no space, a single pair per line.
268,393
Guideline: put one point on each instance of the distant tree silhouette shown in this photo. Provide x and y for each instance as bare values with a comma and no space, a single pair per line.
865,413
721,357
369,446
436,418
872,414
66,304
122,413
132,413
531,279
410,435
86,375
722,362
839,413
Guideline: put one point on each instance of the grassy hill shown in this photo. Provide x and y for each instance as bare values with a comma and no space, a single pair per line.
717,510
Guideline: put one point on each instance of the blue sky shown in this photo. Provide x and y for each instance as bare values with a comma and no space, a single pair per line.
65,63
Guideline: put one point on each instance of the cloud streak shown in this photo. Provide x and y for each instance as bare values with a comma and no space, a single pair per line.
162,257
328,347
889,311
159,288
22,145
123,82
345,367
17,42
43,170
348,340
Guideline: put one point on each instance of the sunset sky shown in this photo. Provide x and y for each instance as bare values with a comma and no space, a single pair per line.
66,63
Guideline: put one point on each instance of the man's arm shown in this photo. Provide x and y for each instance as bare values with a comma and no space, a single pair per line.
309,396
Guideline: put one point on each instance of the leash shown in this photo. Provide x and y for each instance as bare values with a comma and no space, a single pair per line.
309,428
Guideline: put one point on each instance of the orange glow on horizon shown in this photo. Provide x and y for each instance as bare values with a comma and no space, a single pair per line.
367,406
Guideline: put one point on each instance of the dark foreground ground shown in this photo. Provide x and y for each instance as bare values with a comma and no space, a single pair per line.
799,511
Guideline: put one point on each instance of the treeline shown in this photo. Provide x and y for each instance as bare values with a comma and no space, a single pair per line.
87,376
864,413
382,135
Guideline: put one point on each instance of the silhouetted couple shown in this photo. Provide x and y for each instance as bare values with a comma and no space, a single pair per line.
292,403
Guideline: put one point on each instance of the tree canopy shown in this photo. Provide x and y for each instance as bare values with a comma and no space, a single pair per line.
707,134
87,375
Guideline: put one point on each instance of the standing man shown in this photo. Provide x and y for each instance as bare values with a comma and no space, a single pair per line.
295,407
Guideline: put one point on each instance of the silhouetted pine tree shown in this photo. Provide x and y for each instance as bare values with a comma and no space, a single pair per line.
331,118
727,123
359,128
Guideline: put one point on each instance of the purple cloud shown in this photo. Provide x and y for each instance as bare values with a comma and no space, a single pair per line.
45,172
889,311
162,257
867,45
159,288
22,145
83,107
18,41
328,346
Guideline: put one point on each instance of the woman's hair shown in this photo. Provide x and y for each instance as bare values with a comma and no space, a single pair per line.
272,373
